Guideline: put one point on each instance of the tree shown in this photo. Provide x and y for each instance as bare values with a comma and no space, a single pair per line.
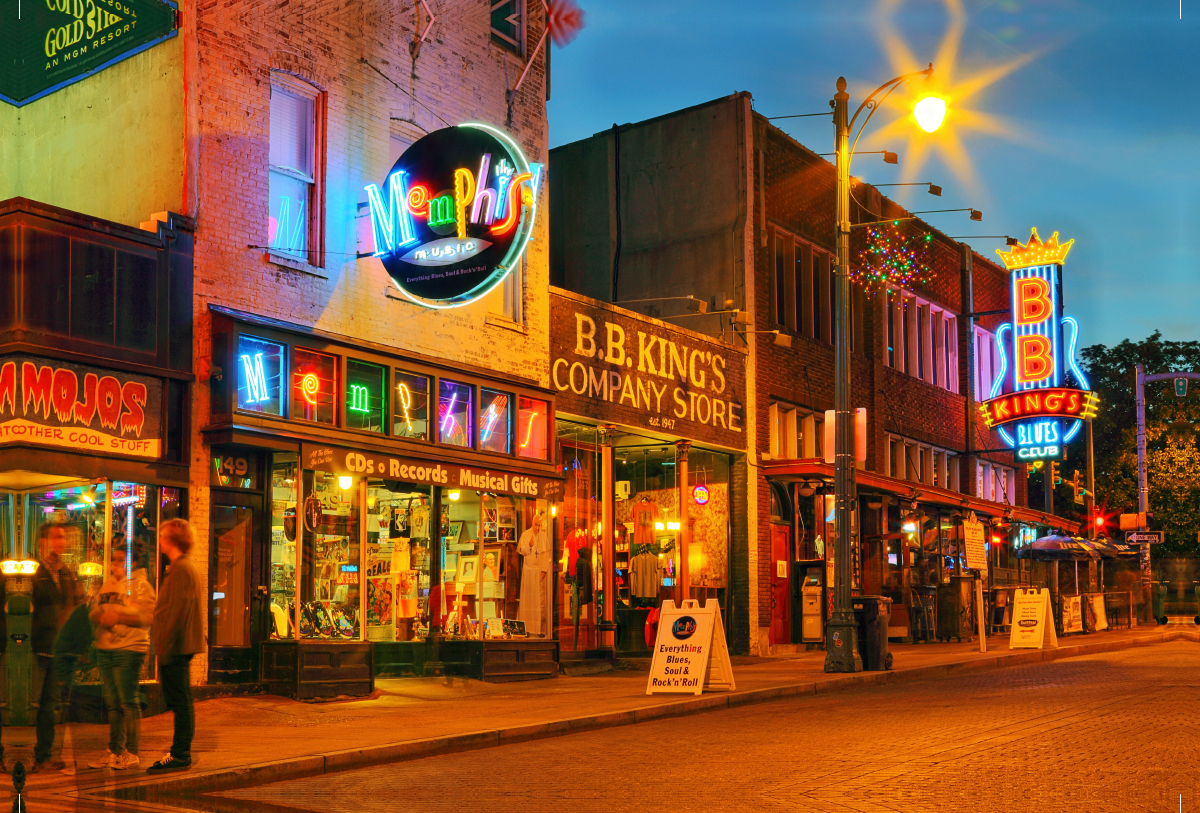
1172,454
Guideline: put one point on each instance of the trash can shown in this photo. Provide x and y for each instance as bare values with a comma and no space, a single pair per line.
871,613
1159,602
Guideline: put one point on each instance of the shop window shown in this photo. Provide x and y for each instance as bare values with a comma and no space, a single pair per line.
410,406
234,469
292,177
495,421
532,422
331,559
398,560
260,369
284,482
455,411
365,386
314,386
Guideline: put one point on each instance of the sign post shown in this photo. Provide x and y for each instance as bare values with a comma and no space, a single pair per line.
690,654
974,540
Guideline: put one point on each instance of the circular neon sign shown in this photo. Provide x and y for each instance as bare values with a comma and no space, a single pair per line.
455,214
700,495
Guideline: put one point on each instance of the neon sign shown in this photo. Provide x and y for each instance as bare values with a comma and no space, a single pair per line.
256,379
461,200
359,398
1048,396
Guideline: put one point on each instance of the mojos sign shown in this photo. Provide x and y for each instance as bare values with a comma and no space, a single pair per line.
455,214
1041,398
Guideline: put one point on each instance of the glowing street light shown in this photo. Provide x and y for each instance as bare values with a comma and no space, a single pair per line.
930,112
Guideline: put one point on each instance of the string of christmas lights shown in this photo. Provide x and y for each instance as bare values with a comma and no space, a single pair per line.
891,260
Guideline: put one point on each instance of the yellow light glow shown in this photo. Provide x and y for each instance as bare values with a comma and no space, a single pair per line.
658,526
454,495
345,482
1035,252
91,569
956,92
930,112
672,526
18,567
554,510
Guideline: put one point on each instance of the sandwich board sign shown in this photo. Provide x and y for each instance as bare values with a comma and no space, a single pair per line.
690,654
1032,621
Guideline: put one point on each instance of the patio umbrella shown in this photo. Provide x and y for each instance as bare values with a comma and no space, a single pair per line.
1058,548
1109,549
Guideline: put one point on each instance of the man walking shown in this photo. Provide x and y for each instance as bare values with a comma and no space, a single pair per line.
55,596
178,634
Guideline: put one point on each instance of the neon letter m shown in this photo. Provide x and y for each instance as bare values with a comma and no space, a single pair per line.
392,227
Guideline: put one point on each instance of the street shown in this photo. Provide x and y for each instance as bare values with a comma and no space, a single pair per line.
1115,732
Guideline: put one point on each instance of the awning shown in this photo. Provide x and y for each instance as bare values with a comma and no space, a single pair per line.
792,471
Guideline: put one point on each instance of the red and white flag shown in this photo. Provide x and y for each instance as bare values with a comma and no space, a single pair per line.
565,20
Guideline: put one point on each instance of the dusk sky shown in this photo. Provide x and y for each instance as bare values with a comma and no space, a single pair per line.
1099,105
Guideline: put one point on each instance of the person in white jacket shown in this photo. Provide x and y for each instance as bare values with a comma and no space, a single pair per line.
122,611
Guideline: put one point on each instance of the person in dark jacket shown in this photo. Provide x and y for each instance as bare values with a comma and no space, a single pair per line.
55,596
177,634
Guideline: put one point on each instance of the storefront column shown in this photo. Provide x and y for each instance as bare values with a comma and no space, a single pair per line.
685,528
608,536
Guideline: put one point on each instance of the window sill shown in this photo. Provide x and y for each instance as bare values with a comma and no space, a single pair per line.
271,258
496,320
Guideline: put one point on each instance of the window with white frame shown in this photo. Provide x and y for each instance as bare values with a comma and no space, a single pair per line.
795,432
995,483
508,25
987,362
921,463
922,339
293,202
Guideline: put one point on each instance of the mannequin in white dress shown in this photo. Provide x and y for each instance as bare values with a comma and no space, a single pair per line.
536,561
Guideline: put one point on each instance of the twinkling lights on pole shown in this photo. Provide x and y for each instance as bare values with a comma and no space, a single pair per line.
892,260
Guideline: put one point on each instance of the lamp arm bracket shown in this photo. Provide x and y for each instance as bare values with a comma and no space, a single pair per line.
871,104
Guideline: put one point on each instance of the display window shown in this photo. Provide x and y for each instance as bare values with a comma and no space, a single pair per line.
532,426
399,533
578,531
456,408
365,387
495,421
261,371
496,562
284,486
314,386
410,406
707,509
331,558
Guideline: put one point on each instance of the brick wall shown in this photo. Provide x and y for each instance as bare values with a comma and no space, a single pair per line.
459,75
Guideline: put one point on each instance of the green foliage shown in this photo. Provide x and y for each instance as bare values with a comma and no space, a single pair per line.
1172,454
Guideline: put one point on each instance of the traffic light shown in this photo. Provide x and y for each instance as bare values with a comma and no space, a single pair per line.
1055,477
1181,388
1036,466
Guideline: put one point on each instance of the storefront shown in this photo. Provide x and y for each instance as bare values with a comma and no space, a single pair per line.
95,372
373,515
651,440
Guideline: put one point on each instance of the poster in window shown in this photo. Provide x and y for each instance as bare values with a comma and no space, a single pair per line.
379,601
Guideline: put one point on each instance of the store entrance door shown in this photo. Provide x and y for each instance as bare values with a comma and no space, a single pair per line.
238,588
781,594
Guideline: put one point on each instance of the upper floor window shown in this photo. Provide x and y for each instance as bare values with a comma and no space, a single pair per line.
987,363
995,483
804,296
921,463
922,339
293,210
795,432
508,25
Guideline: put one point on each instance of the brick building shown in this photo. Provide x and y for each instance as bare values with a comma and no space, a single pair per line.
715,203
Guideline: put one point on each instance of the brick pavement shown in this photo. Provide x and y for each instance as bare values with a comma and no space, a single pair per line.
1108,732
251,740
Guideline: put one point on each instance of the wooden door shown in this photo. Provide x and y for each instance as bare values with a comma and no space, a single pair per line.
781,593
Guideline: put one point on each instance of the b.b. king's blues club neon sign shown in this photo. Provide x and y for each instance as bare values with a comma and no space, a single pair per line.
1041,398
455,214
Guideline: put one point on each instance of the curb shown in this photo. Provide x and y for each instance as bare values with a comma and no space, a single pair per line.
335,761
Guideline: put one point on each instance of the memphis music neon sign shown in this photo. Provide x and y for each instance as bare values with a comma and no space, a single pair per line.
1048,396
455,214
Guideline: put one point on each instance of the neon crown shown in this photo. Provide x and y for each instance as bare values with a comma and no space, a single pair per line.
1035,252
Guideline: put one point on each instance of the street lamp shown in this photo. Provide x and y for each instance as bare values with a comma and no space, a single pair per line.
841,638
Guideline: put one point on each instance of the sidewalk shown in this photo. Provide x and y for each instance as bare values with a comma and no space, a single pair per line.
251,740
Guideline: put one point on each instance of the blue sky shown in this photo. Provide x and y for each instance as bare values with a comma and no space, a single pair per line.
1105,144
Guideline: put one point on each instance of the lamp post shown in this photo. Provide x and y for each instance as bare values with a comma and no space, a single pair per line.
841,648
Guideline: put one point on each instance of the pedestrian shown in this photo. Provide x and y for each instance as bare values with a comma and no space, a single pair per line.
55,595
178,634
122,611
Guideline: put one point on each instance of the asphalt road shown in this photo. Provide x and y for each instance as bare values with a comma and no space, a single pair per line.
1111,732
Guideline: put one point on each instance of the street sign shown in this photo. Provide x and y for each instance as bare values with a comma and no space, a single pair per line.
1144,537
1181,388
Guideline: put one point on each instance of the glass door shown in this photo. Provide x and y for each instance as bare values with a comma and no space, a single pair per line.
239,592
